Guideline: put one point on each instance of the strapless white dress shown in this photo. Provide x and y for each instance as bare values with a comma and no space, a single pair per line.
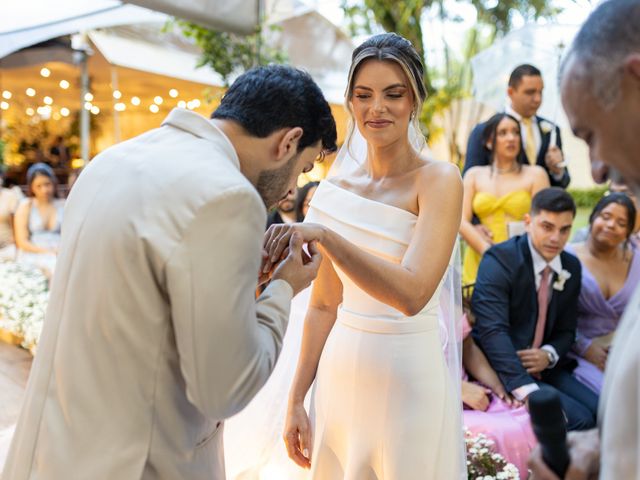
383,405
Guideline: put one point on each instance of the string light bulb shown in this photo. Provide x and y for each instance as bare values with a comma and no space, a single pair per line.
119,107
64,84
158,100
47,100
95,110
4,105
135,101
182,104
88,97
30,92
117,94
64,111
45,72
6,95
154,108
173,93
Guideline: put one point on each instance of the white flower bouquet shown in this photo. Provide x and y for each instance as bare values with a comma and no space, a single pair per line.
24,293
483,463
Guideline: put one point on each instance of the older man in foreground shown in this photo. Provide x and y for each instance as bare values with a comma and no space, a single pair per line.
600,84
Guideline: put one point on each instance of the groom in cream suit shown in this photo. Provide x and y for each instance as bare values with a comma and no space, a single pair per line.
153,335
600,85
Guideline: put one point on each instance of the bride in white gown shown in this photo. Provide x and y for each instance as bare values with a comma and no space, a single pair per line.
384,405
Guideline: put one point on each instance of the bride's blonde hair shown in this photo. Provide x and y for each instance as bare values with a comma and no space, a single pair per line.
389,47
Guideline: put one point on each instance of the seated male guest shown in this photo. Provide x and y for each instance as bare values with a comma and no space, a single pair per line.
525,302
525,97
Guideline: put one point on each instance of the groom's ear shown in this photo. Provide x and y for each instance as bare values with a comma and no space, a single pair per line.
287,147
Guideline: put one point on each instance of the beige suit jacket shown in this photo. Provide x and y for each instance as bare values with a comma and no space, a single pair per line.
153,334
620,400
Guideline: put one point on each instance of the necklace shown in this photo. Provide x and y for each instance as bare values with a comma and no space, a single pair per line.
510,169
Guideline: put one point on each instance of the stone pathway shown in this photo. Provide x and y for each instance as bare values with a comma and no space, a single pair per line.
15,364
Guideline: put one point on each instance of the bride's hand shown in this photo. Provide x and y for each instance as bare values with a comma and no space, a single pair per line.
297,435
277,238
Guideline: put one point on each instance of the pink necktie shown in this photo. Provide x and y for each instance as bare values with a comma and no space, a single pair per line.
543,305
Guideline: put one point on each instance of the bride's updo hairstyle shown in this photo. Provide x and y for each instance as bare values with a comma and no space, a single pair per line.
390,47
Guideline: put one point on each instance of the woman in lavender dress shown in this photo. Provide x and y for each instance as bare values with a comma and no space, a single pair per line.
610,272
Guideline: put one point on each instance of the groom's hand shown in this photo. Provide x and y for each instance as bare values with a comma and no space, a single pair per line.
299,269
277,239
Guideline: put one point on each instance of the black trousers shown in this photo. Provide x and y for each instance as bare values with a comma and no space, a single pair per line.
580,404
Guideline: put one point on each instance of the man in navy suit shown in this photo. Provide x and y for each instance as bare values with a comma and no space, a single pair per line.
525,301
525,94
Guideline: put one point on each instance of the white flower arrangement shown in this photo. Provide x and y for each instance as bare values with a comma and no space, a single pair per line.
546,126
485,464
563,276
24,293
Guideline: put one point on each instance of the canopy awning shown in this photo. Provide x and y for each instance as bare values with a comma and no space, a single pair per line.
131,47
26,23
239,16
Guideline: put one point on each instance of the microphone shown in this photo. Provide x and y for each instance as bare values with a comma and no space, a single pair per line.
550,427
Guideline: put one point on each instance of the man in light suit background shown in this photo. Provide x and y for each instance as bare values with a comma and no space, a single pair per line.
600,85
153,335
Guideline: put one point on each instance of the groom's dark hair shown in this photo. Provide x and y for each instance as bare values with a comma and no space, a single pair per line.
552,199
266,99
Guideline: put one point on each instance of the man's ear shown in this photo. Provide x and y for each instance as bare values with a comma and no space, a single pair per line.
632,65
527,221
288,145
510,91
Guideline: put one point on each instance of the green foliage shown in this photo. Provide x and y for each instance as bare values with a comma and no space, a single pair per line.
495,18
227,53
501,13
587,197
2,146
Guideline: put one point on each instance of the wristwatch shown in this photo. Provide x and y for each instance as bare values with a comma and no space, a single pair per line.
551,357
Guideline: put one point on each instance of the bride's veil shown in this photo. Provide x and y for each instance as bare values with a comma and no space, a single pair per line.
352,157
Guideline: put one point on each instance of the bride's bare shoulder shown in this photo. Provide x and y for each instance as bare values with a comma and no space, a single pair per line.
439,172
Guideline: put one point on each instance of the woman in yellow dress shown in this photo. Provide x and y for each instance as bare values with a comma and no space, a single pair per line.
498,193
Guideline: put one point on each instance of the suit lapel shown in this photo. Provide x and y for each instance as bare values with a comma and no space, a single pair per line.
544,142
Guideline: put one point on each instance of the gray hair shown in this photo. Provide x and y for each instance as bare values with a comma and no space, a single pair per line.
610,34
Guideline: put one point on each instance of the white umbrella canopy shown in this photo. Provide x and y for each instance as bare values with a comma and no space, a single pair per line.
538,45
316,45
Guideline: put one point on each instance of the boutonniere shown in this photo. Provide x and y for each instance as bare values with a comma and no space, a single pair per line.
563,276
545,126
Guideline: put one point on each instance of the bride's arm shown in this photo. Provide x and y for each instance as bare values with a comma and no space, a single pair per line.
467,230
321,315
410,285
